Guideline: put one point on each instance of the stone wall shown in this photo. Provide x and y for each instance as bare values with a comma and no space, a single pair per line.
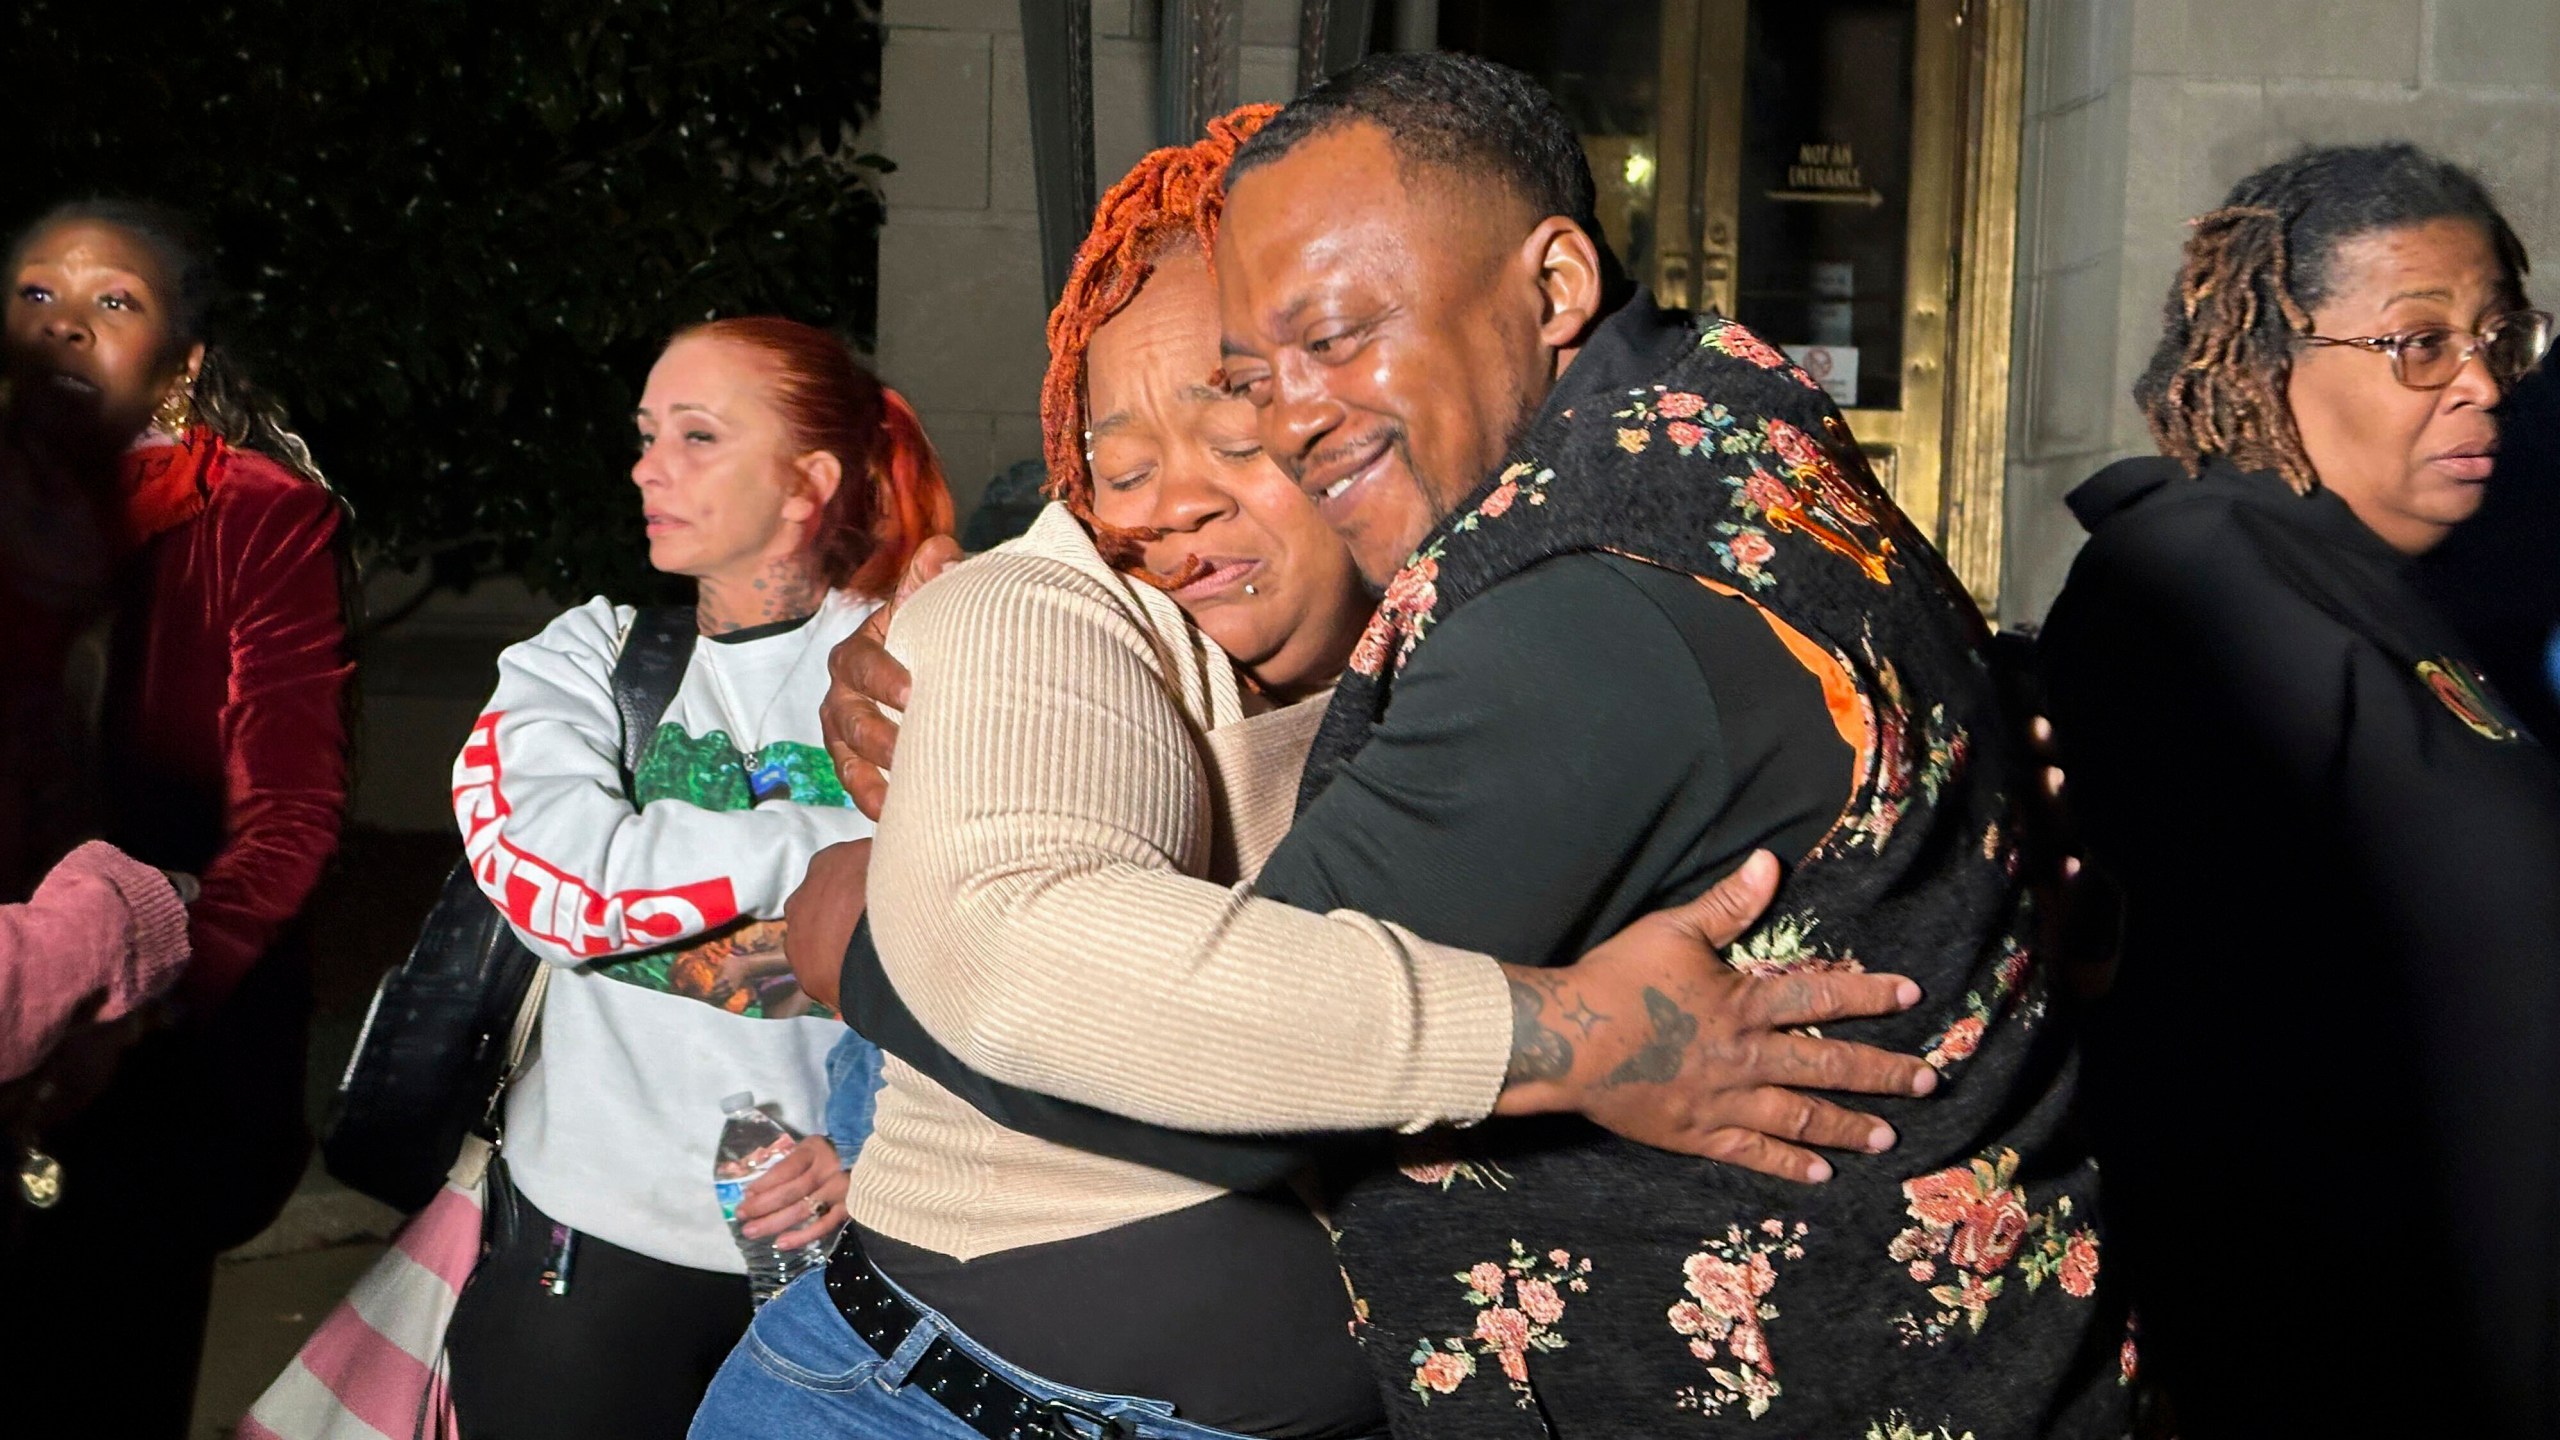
2141,113
962,305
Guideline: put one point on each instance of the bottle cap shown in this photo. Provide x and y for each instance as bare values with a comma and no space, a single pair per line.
743,1100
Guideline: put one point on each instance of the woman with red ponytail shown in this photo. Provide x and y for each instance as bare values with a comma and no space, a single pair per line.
792,487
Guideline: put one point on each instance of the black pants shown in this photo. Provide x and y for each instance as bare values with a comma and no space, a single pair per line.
626,1353
192,1148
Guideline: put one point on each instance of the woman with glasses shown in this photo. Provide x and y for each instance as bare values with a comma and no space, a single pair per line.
2325,1080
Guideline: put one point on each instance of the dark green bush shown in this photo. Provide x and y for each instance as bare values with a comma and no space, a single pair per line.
456,230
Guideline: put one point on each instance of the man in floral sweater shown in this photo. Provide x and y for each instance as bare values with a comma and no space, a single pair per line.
1646,611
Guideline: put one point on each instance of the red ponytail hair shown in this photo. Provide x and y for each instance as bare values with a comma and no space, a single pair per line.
893,496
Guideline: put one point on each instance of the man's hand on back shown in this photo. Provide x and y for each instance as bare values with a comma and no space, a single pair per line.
1652,1036
819,917
863,677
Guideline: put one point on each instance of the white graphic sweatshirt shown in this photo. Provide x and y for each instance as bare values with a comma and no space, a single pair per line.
611,1129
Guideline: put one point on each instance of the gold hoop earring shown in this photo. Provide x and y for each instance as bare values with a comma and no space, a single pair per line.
177,409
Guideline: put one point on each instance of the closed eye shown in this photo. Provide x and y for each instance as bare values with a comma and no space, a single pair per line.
1339,344
1123,484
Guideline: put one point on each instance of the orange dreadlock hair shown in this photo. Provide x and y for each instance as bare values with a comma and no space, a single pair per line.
1173,197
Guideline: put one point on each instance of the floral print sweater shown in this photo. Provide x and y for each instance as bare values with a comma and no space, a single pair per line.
1544,651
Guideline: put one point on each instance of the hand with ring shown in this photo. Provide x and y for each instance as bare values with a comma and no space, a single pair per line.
800,1201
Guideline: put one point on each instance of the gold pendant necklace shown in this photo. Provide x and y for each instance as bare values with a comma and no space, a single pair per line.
39,1178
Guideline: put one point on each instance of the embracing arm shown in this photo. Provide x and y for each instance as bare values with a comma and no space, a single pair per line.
1033,899
555,841
1554,757
284,734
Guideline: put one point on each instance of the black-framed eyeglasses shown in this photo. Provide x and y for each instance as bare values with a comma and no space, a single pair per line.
2428,357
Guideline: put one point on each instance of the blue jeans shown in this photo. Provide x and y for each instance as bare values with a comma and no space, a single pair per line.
853,1093
802,1373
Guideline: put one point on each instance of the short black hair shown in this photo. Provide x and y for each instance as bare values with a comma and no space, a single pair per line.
2256,268
1454,112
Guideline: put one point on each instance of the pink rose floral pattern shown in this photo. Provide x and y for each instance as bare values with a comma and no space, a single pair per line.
1405,615
1727,1283
1925,757
1693,424
1783,945
1974,1226
1731,339
1432,1160
1519,1302
1808,493
1984,1007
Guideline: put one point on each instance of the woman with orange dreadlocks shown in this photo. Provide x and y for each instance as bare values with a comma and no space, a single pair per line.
2338,850
1067,1283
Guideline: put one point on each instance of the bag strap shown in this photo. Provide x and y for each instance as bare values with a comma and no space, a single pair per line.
655,651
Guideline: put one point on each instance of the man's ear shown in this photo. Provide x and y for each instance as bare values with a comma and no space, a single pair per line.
1567,267
820,473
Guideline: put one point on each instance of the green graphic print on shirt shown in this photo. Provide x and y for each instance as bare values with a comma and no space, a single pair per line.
741,967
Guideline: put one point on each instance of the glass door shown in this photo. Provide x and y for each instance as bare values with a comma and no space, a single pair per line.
1840,176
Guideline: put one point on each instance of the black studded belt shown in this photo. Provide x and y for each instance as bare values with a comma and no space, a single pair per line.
977,1396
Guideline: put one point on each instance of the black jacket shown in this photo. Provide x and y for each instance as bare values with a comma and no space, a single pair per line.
2326,1082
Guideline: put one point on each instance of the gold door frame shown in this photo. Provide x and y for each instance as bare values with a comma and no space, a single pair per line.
1944,450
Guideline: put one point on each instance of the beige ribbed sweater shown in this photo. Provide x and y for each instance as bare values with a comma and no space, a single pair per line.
1057,892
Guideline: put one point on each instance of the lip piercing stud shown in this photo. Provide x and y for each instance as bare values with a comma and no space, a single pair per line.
1249,590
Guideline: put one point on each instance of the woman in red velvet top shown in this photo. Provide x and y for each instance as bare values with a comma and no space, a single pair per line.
222,752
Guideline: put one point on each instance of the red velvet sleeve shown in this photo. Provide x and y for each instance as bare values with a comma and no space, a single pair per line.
284,732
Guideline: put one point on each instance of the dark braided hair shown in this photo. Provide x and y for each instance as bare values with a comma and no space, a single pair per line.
2253,272
222,395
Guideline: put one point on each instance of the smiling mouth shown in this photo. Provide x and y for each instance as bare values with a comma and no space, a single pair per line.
1371,455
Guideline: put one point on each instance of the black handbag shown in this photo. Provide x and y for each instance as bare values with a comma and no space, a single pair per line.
434,1056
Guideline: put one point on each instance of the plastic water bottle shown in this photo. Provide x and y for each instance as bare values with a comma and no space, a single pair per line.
751,1143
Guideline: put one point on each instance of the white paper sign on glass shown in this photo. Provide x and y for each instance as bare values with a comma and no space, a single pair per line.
1834,366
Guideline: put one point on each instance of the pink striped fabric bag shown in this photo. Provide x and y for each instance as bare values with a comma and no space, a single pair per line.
375,1369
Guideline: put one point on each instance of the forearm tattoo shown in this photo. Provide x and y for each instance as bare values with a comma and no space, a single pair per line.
1538,1051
